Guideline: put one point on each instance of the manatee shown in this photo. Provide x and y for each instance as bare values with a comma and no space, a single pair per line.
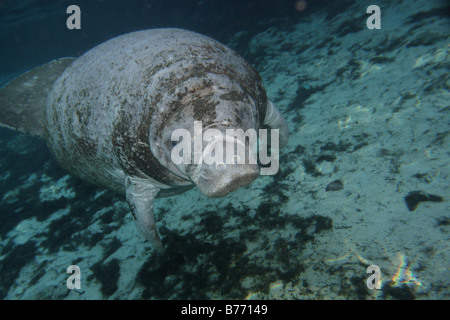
108,115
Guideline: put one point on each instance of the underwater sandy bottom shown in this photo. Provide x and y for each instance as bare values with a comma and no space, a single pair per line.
363,181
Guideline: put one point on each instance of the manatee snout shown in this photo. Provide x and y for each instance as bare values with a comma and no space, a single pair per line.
228,163
217,181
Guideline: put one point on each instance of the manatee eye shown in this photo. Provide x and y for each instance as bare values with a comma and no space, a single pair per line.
243,116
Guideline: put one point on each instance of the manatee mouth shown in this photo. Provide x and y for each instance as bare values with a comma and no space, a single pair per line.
219,184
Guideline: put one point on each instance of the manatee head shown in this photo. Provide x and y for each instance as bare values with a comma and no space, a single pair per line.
211,139
222,92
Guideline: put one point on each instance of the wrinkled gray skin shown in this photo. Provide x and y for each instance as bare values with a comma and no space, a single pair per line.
111,113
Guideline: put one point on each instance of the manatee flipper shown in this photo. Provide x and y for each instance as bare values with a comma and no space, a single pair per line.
23,99
140,196
274,120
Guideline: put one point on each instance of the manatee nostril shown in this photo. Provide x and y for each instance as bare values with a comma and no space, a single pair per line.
221,166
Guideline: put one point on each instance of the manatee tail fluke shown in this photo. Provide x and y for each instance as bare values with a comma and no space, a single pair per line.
23,99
